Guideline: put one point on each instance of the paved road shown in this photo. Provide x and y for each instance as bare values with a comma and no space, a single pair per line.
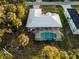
51,3
38,0
66,0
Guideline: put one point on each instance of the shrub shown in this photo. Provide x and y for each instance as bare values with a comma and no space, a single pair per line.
49,52
11,16
17,23
1,21
4,55
21,11
12,8
2,31
23,39
77,53
64,55
2,9
5,30
0,39
72,54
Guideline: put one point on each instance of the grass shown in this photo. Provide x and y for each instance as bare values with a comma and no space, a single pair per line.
75,6
73,0
65,26
50,8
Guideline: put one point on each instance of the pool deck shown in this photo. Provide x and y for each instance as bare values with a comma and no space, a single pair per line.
38,37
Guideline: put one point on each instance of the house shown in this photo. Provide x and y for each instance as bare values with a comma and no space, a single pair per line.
72,17
44,26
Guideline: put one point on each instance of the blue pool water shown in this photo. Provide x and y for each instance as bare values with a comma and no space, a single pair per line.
48,35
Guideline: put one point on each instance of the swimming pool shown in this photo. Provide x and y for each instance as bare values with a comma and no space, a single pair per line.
48,35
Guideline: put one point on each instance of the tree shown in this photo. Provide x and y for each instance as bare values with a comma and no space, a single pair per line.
17,22
15,1
0,39
23,39
1,21
77,53
8,30
12,8
2,16
49,52
64,55
4,55
2,9
6,7
3,31
21,11
72,54
11,16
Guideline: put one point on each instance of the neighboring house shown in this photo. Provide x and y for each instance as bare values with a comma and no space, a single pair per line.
44,26
72,17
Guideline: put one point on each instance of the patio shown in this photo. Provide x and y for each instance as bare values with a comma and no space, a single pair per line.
39,38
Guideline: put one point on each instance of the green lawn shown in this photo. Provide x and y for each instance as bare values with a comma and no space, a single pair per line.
75,6
50,8
73,0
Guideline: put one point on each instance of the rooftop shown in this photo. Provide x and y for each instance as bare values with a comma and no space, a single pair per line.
75,16
37,19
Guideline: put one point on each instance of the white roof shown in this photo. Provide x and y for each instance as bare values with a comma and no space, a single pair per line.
37,19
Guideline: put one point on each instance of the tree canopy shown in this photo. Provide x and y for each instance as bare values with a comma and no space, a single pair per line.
48,52
23,39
